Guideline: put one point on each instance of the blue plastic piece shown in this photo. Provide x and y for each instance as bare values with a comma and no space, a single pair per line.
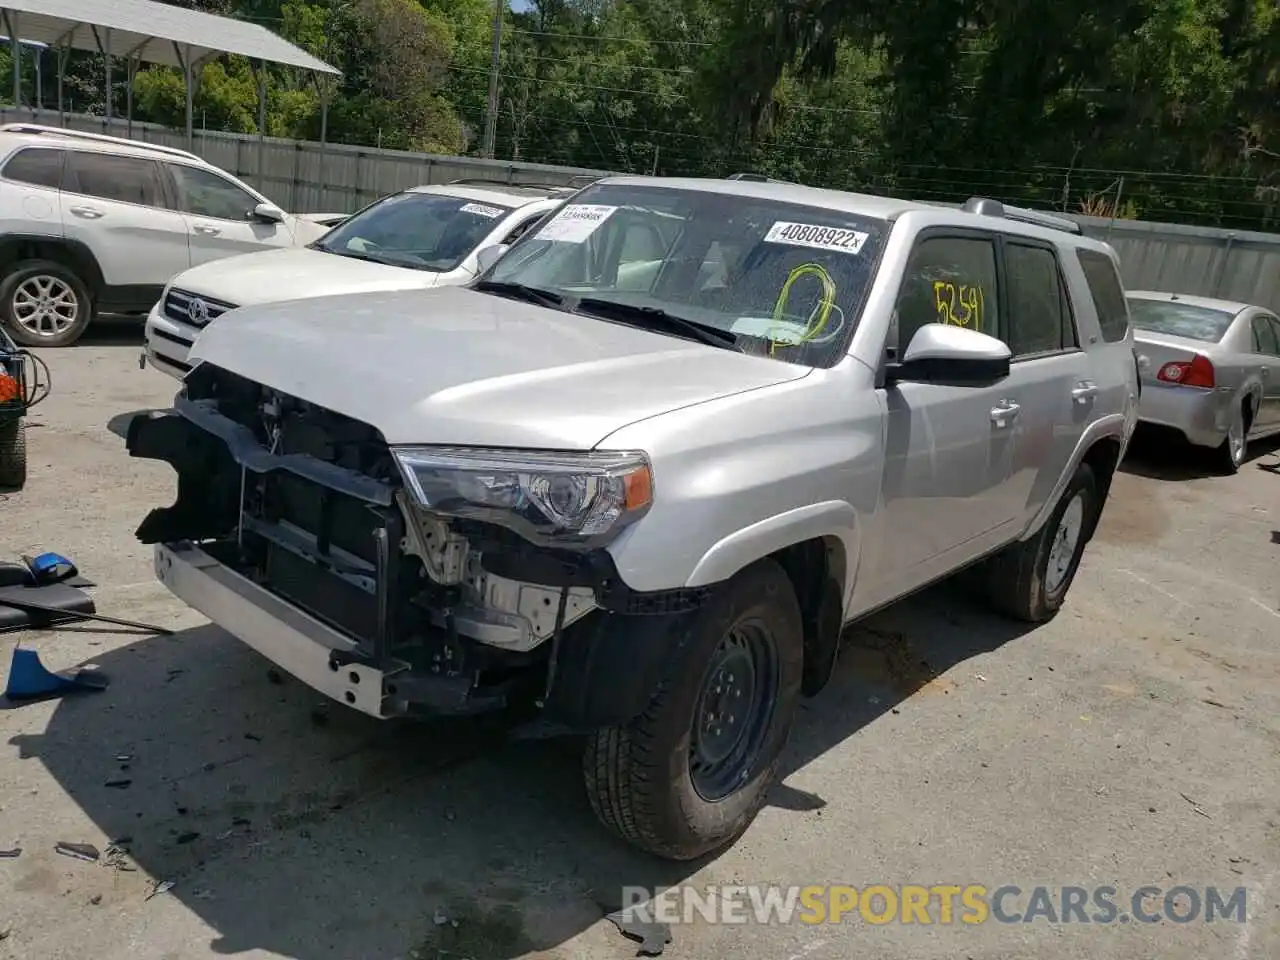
50,568
29,679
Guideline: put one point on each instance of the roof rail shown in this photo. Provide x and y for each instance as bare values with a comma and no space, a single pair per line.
753,177
986,207
489,182
95,138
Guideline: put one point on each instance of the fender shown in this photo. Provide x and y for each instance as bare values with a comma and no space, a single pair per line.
831,518
1114,425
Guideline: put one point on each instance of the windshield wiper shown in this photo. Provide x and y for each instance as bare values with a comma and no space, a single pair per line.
655,317
520,291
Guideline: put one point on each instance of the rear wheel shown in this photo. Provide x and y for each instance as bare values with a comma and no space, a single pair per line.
1029,580
44,304
13,453
1231,455
690,774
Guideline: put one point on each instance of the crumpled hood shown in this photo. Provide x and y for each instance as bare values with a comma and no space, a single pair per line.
291,273
454,366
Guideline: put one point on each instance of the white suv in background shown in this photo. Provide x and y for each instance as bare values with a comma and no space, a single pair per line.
93,224
428,236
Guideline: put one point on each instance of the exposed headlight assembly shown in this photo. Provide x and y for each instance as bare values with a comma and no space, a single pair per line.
567,500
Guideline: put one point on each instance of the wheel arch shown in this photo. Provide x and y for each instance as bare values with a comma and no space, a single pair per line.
1101,446
72,254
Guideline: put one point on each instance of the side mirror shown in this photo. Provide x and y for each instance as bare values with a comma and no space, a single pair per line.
268,213
486,257
943,353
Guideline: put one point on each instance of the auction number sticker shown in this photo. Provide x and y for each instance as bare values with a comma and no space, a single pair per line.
480,210
816,236
576,222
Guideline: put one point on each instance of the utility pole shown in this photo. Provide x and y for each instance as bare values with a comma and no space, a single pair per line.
491,114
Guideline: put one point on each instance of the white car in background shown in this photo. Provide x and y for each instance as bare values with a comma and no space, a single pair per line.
426,236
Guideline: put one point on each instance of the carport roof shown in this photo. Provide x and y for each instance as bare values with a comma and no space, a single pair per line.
151,32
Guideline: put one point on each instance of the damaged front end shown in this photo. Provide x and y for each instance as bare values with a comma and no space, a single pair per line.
400,582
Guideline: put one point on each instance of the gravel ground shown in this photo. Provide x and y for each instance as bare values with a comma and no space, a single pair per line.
1134,740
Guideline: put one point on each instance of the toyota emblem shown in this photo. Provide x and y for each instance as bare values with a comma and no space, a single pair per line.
198,311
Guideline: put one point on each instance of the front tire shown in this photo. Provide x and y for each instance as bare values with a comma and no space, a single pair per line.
44,304
691,773
1029,580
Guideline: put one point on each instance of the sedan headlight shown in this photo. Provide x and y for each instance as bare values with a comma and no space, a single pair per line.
575,500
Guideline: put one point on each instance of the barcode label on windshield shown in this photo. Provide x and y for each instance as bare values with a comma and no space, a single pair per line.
816,236
480,210
576,222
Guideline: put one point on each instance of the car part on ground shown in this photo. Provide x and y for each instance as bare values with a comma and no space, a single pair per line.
1211,369
93,225
635,481
24,382
416,239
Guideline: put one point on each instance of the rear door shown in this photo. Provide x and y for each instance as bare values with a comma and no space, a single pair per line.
1266,349
219,215
116,206
1050,378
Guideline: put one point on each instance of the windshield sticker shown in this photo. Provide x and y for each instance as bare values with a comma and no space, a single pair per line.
961,305
576,222
480,210
816,236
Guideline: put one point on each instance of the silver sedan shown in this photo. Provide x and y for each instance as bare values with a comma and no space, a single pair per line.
1210,369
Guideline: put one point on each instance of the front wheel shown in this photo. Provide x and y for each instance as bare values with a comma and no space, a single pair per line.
1029,580
689,775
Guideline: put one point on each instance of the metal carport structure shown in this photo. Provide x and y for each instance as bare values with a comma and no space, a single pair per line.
143,31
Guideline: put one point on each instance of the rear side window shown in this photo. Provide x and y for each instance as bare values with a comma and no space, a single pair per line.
949,280
1107,293
1039,319
1266,336
111,177
37,166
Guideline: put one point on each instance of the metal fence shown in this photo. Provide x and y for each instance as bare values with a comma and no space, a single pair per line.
308,177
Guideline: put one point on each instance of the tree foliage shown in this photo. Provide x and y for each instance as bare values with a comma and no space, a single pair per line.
1164,109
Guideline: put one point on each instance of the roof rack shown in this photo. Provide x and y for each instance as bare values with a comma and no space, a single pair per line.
95,138
490,182
754,178
983,206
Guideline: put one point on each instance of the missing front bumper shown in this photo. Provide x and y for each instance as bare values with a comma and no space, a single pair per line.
320,656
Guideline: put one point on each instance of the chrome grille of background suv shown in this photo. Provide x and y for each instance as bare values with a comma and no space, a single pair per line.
192,309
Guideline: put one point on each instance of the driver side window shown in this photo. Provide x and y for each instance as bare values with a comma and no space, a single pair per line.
949,280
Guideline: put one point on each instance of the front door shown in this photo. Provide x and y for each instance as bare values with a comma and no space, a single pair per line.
219,216
949,449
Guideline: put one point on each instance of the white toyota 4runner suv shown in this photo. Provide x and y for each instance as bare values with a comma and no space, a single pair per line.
92,224
422,237
635,479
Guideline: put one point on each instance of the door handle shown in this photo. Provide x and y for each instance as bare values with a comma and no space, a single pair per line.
1005,412
207,230
88,213
1084,390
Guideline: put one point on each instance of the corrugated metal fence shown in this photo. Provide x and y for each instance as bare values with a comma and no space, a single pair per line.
305,177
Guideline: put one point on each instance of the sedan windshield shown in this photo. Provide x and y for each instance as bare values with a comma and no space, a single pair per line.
424,231
765,277
1179,319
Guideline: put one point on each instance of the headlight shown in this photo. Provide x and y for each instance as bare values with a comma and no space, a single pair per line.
555,499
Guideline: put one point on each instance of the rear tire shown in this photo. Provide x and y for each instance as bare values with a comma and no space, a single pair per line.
691,773
13,453
44,304
1235,448
1029,580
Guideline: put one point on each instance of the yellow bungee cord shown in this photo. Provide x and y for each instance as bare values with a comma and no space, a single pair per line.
822,314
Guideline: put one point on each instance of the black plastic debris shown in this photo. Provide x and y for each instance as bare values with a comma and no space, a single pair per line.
118,784
80,851
187,837
11,854
652,936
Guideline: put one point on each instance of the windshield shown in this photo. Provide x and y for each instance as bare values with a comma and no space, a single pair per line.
1180,319
782,279
425,231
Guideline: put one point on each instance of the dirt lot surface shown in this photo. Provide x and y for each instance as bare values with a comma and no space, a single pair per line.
1133,741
